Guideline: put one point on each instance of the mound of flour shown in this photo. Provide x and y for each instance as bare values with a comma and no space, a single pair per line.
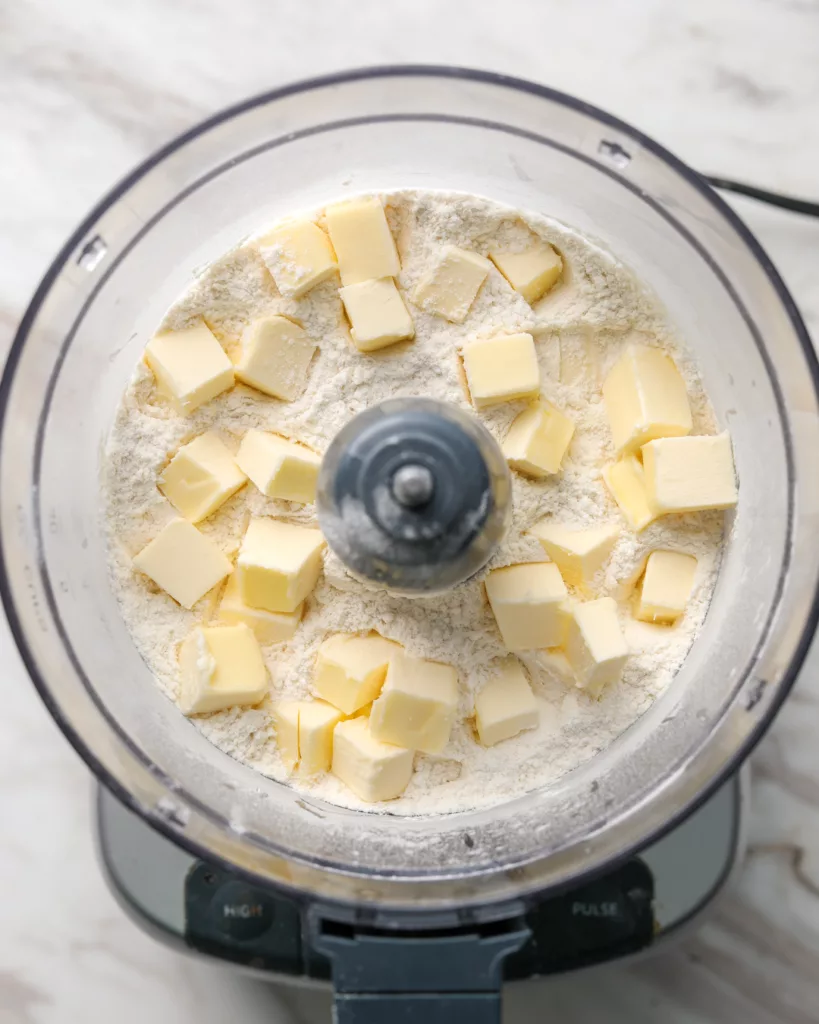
580,327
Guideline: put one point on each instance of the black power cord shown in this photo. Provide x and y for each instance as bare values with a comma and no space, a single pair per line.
792,203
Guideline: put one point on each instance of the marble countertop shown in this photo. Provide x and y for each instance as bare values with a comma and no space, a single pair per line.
88,89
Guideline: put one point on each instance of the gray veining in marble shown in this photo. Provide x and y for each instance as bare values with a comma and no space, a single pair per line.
87,89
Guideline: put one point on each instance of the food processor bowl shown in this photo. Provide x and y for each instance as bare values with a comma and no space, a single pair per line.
298,147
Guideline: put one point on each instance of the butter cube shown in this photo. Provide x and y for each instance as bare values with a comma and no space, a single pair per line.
201,477
450,287
501,369
627,482
278,565
350,670
538,440
533,272
595,646
190,366
645,398
221,667
378,316
299,256
183,561
579,553
317,721
372,770
286,722
278,467
505,706
689,474
269,627
362,240
275,358
666,587
527,601
417,705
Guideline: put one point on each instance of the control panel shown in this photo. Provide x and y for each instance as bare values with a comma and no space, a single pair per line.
187,903
607,918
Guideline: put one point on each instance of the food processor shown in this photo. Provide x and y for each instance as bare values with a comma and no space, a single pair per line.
420,917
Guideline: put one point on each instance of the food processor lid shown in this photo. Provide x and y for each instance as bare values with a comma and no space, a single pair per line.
516,142
414,494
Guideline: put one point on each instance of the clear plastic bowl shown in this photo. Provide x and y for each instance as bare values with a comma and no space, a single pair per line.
380,129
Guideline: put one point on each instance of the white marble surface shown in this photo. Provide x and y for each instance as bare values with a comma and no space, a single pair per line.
87,88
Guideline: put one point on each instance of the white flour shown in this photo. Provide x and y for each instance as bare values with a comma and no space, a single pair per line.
580,328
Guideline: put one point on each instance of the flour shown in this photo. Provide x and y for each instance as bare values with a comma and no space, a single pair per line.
580,327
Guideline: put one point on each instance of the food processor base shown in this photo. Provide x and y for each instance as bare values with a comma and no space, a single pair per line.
202,908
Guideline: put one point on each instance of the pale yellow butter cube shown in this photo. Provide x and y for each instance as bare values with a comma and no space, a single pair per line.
538,440
450,287
286,716
278,565
666,586
417,705
595,645
275,357
378,316
278,467
317,720
645,397
627,482
183,561
531,273
221,667
505,705
689,474
201,477
579,552
299,256
269,627
371,769
350,670
527,601
362,240
501,369
190,366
